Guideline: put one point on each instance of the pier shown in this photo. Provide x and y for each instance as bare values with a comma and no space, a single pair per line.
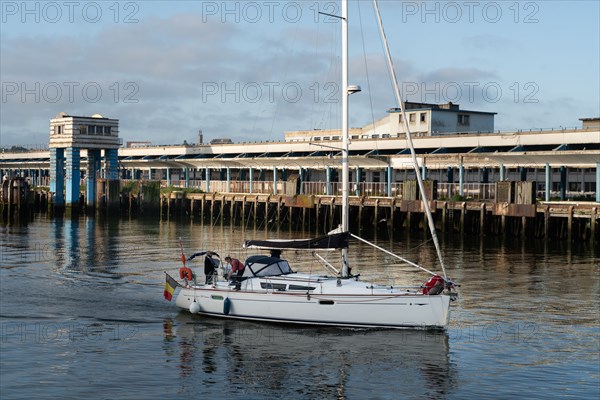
539,183
572,221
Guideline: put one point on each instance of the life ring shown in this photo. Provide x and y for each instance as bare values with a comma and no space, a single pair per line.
186,273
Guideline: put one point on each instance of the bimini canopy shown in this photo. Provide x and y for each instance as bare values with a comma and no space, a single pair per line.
266,266
329,242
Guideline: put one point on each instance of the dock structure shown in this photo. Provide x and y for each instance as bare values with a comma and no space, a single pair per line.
573,221
484,182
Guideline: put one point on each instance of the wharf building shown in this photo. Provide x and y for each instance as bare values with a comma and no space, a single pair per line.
457,149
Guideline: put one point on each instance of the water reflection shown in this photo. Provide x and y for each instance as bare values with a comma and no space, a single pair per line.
260,359
86,245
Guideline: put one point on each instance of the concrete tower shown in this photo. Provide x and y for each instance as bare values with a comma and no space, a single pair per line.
97,136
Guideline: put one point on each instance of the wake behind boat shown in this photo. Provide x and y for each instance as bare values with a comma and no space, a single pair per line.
269,289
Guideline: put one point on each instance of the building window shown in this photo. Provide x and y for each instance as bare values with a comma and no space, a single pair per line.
58,129
107,130
423,117
400,118
411,118
463,119
386,136
83,130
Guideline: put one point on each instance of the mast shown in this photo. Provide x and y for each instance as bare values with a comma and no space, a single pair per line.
345,144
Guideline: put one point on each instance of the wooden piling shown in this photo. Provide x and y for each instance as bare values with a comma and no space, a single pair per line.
463,212
570,224
482,220
593,225
267,212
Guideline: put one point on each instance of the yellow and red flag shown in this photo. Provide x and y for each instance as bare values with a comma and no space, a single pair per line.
170,285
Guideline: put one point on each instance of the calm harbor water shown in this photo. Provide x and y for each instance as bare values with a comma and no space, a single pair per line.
82,315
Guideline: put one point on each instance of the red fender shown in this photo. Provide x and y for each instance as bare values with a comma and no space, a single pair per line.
435,285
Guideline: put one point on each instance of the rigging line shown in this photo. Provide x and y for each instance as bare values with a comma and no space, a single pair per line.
366,68
425,201
420,245
313,112
392,254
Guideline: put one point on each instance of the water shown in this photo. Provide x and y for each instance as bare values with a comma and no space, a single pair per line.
82,315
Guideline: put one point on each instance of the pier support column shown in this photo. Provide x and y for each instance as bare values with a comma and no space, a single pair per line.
73,176
187,177
523,174
301,176
593,226
598,182
111,159
57,175
485,175
390,172
502,172
111,165
168,177
548,182
563,183
461,180
328,181
570,224
207,180
274,180
357,180
482,220
251,179
423,171
228,172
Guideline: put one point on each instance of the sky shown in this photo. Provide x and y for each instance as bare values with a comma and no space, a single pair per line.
251,70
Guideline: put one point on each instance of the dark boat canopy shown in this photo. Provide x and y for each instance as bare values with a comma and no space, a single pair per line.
329,242
201,253
266,266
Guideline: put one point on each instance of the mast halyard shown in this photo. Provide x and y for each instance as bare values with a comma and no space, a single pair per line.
345,141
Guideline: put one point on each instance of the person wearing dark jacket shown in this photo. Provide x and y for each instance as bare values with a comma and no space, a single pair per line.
209,268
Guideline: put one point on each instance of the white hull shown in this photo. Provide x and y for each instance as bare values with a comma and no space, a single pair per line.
353,304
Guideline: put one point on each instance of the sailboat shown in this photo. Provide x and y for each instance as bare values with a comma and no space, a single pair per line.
269,290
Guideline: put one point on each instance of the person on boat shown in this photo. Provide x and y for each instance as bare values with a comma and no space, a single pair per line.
209,268
276,253
237,270
226,270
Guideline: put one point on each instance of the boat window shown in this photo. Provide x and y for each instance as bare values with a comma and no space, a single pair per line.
273,286
280,268
300,287
326,302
